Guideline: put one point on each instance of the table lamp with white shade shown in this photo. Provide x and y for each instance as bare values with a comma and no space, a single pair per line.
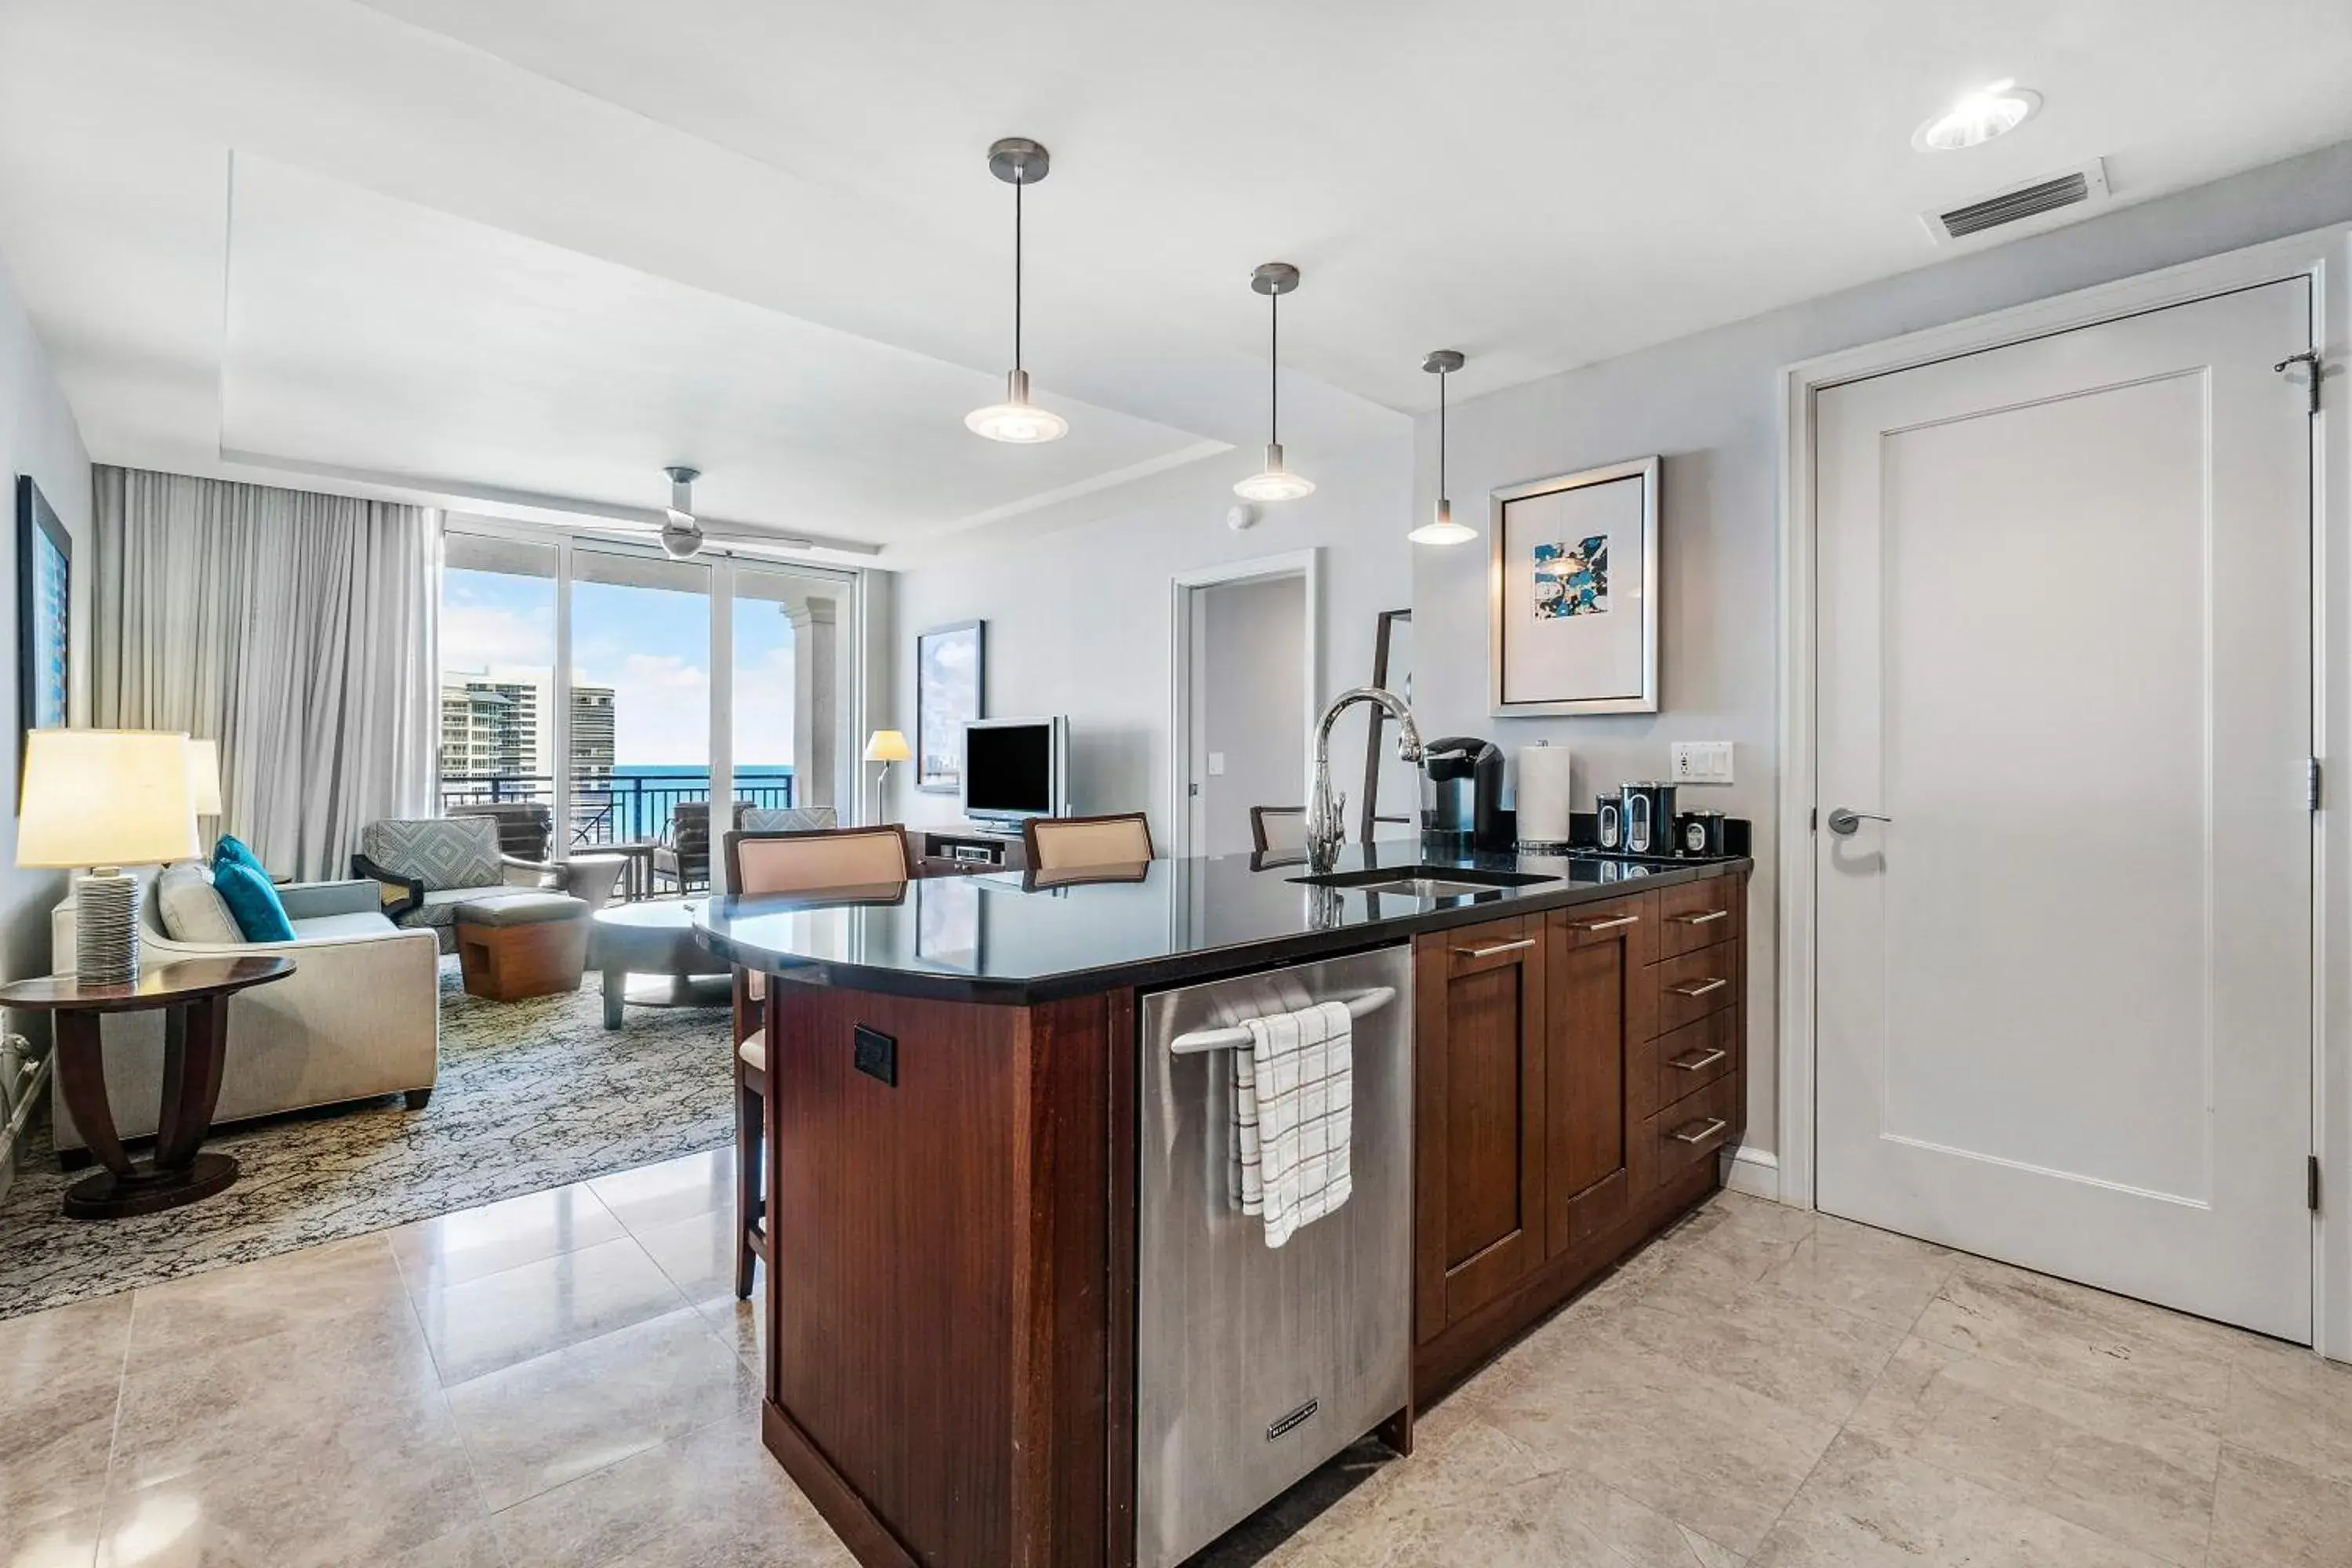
886,746
99,800
203,777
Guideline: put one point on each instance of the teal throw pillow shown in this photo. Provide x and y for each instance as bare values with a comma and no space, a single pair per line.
252,902
231,851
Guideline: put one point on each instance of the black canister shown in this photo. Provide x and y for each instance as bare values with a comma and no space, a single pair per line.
1700,832
1649,817
1609,822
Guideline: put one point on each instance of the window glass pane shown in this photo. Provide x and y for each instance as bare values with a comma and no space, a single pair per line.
497,663
641,707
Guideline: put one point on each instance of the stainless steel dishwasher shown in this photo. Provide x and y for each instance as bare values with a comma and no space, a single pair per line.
1254,1364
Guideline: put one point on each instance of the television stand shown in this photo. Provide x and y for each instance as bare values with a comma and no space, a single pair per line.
971,849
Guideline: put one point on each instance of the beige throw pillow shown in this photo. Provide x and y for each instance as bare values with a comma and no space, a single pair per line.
191,909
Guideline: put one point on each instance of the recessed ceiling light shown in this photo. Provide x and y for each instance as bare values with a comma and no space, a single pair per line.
1991,110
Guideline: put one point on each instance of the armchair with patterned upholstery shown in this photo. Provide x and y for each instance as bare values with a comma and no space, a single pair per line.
784,818
426,867
526,827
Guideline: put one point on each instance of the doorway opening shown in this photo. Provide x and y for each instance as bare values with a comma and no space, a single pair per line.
1247,684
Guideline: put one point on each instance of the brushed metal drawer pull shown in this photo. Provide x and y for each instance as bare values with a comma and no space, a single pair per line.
1609,924
1698,987
1698,1063
1685,1135
1700,920
1498,947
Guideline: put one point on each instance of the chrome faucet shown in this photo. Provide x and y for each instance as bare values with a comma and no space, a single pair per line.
1325,829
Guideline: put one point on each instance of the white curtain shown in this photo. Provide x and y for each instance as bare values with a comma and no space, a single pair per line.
298,629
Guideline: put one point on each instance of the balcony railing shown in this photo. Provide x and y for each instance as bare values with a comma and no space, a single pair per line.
627,808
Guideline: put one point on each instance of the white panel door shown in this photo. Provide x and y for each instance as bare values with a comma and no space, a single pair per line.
2064,646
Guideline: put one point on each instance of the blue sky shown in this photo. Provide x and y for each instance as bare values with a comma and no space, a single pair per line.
651,647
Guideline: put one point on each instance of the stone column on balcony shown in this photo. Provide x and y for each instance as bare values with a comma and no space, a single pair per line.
815,727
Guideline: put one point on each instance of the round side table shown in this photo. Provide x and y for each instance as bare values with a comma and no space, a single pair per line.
192,996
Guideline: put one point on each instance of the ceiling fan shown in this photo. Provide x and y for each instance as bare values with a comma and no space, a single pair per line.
683,533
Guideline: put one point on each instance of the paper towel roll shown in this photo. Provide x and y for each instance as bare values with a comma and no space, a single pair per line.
1543,794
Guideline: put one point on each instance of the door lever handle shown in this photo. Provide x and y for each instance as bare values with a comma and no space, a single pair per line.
1843,819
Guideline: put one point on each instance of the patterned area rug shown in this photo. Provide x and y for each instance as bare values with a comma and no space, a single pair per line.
531,1095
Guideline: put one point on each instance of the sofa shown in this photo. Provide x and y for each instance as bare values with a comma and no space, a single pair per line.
359,1017
426,867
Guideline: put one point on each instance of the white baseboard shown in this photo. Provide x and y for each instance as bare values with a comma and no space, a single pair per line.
1754,1172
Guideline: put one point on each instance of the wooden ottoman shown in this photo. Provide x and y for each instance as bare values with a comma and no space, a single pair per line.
522,944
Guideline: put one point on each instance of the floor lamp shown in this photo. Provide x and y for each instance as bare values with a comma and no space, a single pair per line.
886,746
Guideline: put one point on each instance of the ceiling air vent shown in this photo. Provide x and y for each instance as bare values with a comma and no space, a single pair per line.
2022,209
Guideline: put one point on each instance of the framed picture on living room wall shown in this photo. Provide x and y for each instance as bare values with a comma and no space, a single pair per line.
43,616
950,683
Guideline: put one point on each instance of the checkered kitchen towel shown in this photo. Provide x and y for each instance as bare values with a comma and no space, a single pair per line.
1293,1102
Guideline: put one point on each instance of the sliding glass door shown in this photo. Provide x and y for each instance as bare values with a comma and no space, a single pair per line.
624,690
640,702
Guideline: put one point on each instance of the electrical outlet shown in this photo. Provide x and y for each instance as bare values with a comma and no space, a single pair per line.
1216,765
1700,762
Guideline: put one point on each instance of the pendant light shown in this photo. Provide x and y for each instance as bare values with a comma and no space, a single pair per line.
1441,529
1274,279
1018,162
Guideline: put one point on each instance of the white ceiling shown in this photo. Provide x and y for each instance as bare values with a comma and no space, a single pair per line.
507,249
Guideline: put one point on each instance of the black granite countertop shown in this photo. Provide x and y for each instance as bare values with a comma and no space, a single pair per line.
996,939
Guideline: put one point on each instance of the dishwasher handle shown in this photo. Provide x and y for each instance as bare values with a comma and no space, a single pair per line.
1200,1041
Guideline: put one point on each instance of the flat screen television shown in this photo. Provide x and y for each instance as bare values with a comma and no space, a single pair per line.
1014,768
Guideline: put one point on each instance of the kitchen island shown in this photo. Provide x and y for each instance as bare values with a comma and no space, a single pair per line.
953,1070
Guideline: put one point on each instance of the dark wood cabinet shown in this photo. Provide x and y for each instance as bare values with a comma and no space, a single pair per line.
1578,1073
1480,1055
1599,1014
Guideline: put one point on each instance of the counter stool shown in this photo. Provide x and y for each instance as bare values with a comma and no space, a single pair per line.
814,860
522,944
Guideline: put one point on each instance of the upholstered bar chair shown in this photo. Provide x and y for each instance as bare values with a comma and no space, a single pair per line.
1069,843
1277,829
810,861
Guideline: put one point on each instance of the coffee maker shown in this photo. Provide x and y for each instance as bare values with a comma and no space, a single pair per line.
1461,796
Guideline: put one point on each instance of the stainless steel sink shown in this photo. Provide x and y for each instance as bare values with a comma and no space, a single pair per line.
1425,881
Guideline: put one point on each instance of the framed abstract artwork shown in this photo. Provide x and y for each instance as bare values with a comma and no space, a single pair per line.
1572,593
44,610
951,677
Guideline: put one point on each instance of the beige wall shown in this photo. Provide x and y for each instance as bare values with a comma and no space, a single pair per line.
37,436
1078,617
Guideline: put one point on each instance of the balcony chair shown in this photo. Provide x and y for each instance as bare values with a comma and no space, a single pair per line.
683,856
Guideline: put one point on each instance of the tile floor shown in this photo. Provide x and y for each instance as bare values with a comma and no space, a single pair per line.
567,1379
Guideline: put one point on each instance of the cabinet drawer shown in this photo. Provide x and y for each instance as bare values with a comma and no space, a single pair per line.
1497,945
1693,1129
1698,914
1695,1055
1696,984
1634,922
